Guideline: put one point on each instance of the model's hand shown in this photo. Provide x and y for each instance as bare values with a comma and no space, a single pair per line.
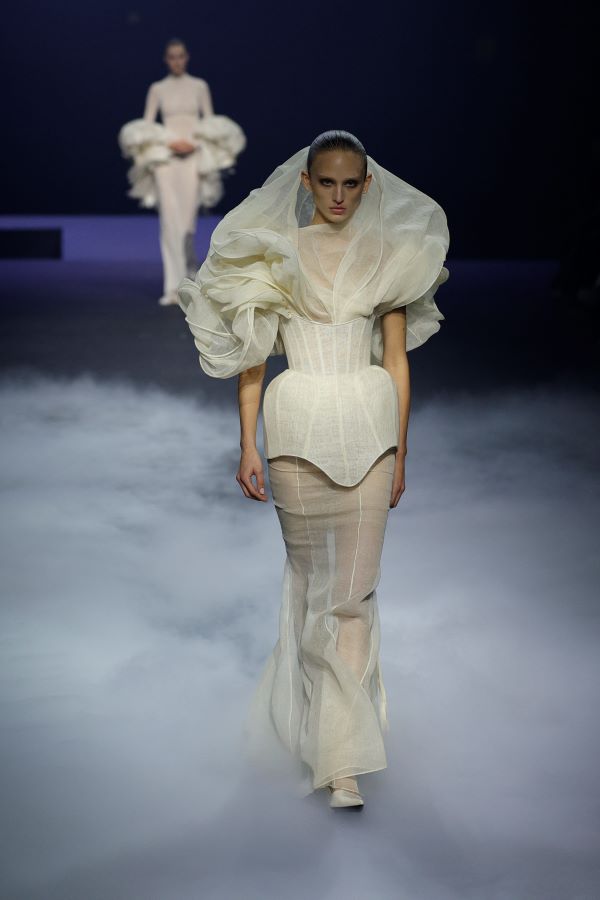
182,147
398,484
251,465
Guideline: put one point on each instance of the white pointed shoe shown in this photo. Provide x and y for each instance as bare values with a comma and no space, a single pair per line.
344,796
168,299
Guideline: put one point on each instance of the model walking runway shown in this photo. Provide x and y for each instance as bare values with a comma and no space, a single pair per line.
334,262
178,165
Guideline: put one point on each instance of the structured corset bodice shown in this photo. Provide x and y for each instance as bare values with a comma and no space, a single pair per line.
318,348
331,405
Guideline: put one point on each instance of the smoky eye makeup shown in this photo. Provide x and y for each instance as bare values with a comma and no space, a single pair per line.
351,182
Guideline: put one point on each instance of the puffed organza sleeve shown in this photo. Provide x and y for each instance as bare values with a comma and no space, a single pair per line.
221,141
145,141
234,304
415,274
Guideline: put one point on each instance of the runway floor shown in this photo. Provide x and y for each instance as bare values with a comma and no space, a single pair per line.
141,592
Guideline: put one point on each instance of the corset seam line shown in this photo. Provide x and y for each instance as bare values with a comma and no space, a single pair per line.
336,324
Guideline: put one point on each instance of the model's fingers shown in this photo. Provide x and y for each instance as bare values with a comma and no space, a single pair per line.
250,489
396,494
259,487
250,486
246,485
238,478
260,482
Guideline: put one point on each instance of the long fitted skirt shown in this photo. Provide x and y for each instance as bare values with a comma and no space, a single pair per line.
177,189
320,700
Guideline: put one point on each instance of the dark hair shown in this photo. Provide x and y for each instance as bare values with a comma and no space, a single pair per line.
336,140
175,42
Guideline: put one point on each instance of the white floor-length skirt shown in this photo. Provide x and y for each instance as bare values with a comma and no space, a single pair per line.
177,194
320,700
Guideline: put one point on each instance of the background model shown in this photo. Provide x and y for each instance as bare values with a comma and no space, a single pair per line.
177,165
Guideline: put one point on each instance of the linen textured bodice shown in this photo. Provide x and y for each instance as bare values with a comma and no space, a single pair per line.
335,404
317,348
331,406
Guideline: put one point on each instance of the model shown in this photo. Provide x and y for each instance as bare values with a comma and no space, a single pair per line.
334,261
178,165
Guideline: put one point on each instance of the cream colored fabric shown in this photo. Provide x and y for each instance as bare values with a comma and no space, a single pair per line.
331,405
177,185
321,695
178,211
273,283
180,100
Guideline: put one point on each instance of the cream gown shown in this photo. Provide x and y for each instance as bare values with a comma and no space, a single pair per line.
181,100
179,185
321,692
331,424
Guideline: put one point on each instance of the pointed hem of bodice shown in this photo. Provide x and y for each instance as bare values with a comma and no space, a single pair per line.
329,471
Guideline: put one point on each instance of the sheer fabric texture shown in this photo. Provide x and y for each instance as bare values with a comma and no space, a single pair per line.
321,694
273,283
331,405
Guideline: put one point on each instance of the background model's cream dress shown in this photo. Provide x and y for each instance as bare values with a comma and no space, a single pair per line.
331,419
181,100
179,185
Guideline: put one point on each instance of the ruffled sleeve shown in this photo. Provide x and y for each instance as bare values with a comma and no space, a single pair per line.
146,143
221,141
414,280
234,304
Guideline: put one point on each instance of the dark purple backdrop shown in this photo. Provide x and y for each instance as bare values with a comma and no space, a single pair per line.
488,108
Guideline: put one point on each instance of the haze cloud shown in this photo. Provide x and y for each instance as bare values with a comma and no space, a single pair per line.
141,595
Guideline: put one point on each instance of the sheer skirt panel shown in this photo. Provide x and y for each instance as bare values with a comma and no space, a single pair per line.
321,695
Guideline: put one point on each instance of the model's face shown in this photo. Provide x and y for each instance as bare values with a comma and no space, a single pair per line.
337,185
176,59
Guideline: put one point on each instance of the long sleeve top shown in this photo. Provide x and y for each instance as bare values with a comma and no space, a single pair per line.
181,101
185,106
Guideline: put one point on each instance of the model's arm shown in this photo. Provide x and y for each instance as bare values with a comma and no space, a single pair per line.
206,104
250,385
395,360
151,108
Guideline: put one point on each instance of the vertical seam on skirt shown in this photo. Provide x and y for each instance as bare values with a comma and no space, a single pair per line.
357,542
360,682
312,562
289,574
308,531
304,516
362,678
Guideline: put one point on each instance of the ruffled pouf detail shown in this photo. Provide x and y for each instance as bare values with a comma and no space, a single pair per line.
219,141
